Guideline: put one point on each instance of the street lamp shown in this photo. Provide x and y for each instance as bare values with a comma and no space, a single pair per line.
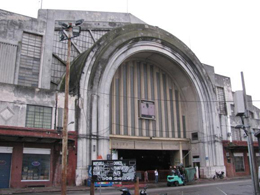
242,104
250,145
67,33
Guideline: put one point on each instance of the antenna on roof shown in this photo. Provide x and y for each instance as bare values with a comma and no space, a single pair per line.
126,6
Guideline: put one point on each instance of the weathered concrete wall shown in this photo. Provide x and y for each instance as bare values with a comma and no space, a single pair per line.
92,21
225,126
11,31
15,99
13,25
211,72
89,16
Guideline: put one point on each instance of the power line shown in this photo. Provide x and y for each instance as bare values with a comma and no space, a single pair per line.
155,99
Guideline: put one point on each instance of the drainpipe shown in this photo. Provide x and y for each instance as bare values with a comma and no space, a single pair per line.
181,157
229,132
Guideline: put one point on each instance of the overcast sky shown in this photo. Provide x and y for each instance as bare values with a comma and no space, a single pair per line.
222,33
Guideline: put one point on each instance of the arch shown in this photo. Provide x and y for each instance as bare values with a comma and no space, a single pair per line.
98,66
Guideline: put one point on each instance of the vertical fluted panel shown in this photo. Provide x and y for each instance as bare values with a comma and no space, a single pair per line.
138,80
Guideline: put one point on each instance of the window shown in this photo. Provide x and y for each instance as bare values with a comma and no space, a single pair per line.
39,116
7,61
232,106
36,164
239,162
30,60
221,100
194,136
251,114
236,134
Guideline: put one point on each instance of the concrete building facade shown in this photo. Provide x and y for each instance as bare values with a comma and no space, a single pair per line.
136,91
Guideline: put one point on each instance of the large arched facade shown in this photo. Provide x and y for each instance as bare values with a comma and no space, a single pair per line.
142,62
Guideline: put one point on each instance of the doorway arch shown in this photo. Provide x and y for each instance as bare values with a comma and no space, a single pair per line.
98,66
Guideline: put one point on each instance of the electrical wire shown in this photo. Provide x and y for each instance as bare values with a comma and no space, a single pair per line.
187,101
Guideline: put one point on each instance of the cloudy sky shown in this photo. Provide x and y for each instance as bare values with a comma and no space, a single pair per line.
222,33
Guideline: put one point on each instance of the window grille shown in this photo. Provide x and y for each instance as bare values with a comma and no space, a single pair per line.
60,48
39,117
30,60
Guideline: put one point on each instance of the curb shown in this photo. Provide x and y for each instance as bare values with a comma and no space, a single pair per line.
116,186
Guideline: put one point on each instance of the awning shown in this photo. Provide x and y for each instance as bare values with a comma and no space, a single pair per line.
33,135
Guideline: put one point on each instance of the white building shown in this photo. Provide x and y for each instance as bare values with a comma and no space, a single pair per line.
136,91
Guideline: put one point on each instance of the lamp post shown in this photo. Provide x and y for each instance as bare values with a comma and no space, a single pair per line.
249,141
67,36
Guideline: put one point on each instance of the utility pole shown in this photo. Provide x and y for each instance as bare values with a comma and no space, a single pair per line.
248,131
65,118
72,31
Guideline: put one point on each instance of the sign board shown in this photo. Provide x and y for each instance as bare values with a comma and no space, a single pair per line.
147,109
113,170
196,160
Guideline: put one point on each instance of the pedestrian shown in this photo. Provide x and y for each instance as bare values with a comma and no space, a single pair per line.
146,176
170,171
156,175
174,170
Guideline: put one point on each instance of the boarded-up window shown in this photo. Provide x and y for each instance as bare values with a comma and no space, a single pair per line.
38,116
221,100
30,60
7,62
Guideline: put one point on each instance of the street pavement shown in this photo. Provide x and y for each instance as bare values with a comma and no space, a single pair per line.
152,187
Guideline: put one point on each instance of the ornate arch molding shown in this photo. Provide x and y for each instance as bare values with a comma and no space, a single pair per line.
102,61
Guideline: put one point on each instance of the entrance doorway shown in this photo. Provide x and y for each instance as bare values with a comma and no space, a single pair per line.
5,165
148,159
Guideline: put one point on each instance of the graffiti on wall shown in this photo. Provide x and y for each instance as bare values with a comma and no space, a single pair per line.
113,170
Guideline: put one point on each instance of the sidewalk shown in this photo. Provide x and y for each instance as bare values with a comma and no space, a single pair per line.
130,186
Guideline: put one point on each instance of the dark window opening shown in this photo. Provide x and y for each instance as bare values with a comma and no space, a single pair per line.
194,136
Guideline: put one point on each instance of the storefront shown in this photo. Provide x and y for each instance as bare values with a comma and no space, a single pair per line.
36,164
34,161
236,158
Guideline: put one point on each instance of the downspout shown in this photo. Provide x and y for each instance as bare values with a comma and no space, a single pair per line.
56,107
228,123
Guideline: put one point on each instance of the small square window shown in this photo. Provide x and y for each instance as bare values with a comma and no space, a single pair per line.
194,136
39,116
